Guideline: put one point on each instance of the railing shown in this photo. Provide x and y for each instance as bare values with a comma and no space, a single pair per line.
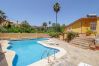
48,53
43,53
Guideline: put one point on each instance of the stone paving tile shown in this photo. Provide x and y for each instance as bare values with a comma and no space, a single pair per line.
76,55
3,61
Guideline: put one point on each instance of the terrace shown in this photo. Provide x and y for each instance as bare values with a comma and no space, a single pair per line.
50,42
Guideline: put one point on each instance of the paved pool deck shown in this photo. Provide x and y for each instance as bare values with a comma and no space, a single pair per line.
76,55
9,55
73,56
3,61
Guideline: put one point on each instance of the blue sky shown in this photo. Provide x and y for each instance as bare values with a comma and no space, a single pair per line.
38,11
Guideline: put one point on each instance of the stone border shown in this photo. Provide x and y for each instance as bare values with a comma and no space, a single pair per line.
9,55
44,62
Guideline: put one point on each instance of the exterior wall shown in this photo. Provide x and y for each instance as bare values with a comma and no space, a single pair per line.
86,24
81,25
5,23
75,27
97,26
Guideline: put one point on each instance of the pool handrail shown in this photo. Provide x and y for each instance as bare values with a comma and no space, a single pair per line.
47,53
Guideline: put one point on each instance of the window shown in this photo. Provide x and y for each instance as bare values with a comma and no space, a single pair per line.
93,26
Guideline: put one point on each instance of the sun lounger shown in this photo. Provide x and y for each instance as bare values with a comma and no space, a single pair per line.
83,64
97,41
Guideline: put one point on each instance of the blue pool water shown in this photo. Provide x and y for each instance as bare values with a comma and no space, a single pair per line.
29,51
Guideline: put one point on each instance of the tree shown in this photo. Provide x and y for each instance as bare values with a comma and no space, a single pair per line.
53,24
58,27
45,25
25,24
56,8
2,29
2,16
49,23
25,27
9,25
62,28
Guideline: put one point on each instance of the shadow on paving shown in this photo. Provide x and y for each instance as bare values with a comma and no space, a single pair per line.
3,61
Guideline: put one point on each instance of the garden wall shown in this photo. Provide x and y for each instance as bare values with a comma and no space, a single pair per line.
22,35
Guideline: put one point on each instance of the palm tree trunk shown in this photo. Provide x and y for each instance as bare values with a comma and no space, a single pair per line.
56,21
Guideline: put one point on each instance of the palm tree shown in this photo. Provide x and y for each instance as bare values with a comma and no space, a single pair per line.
49,24
2,16
45,25
56,8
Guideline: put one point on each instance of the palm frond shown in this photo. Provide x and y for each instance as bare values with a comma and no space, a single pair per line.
56,7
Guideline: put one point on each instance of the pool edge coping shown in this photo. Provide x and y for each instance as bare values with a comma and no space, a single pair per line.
43,61
59,54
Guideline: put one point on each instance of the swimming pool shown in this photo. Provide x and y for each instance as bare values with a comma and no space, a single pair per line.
29,51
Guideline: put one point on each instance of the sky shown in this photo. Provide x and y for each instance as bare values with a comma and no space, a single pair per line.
38,11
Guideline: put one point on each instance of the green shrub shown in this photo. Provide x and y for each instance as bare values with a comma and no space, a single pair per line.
54,34
94,33
71,35
89,32
3,30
